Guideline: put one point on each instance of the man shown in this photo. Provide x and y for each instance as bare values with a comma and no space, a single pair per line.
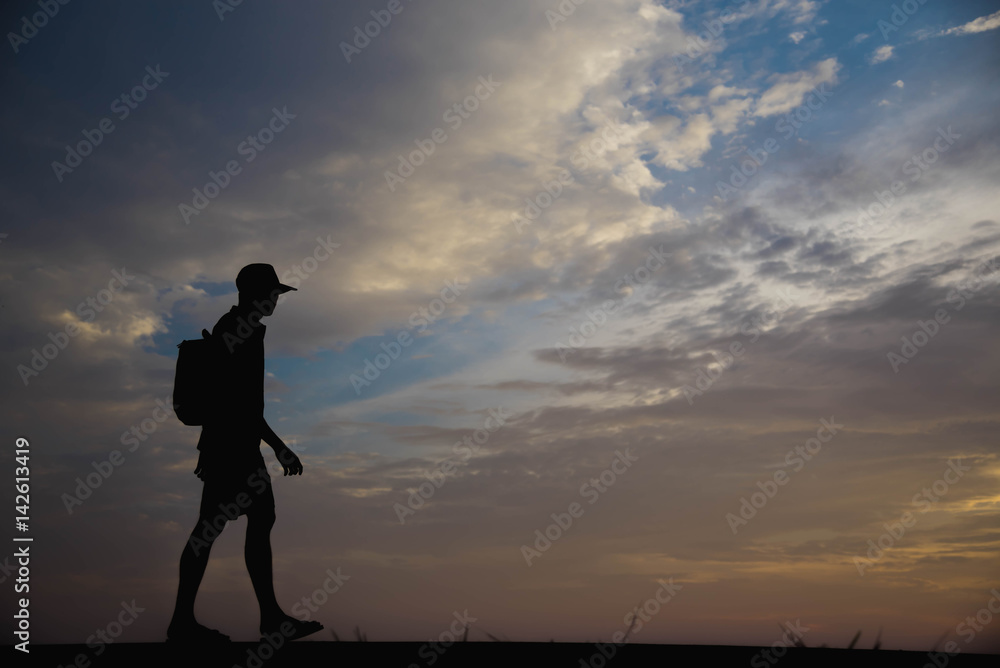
232,467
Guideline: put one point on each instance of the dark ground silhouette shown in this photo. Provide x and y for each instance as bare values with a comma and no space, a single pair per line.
505,654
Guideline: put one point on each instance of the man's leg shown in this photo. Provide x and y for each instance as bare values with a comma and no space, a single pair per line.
257,551
194,560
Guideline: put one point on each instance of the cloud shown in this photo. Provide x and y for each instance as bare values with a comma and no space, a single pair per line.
881,54
982,24
899,84
680,147
801,11
729,114
788,90
797,37
854,296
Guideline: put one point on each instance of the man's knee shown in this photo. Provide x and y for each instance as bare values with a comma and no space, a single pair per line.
211,524
204,534
260,519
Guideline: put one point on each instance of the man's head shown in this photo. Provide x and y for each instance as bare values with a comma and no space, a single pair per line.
259,285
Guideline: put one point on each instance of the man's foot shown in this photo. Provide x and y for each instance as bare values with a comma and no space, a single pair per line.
193,632
289,627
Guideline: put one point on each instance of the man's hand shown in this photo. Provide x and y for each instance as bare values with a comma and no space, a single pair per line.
289,461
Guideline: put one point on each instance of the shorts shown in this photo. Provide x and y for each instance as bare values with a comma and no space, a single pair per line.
243,490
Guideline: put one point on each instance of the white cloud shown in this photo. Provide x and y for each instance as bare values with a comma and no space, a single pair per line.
860,38
797,37
899,84
689,103
681,147
728,114
634,176
801,11
721,92
453,216
789,90
881,54
982,24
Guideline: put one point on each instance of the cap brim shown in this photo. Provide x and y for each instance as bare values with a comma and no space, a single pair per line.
285,288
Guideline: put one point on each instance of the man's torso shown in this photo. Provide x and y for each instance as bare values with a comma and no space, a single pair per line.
230,440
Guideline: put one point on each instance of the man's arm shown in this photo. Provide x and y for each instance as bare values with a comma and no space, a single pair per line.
288,459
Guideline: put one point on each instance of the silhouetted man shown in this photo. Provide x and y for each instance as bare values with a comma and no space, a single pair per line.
232,467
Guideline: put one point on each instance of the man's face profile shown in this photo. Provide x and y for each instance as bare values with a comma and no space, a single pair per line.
266,304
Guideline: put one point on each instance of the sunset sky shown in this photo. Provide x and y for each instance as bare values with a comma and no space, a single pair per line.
727,272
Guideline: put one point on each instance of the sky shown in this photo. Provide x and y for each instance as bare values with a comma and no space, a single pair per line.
594,302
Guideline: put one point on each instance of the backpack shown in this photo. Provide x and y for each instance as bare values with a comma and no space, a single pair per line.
195,379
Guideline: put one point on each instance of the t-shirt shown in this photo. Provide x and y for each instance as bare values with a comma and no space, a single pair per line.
230,440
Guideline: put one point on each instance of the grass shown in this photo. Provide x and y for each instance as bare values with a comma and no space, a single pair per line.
361,636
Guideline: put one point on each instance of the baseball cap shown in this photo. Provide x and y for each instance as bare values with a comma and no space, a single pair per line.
260,280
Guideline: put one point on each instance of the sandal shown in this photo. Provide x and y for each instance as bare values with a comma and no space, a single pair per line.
300,629
196,634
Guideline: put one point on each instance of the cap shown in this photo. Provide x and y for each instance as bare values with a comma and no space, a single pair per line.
260,280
